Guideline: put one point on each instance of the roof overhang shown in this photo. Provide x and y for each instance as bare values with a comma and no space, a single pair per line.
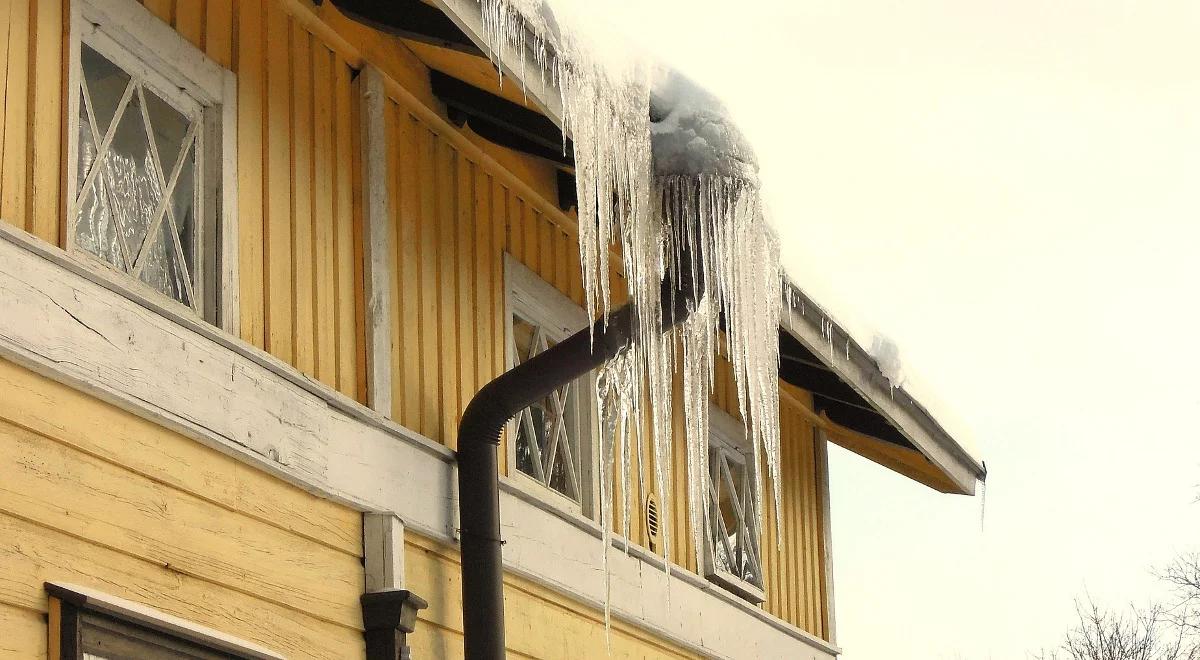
858,408
544,93
916,445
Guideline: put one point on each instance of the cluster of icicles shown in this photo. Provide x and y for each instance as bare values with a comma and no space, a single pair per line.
666,218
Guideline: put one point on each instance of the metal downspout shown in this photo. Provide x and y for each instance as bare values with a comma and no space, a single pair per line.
479,436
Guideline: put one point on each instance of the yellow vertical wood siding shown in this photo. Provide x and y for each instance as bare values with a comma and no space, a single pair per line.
458,209
457,212
96,496
298,216
31,142
296,162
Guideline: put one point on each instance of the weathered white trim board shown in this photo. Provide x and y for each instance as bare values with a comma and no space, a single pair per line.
822,450
383,552
813,328
377,249
77,327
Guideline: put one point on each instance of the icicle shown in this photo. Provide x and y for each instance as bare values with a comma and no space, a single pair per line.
982,502
676,198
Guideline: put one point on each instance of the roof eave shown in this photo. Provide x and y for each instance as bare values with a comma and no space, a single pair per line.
544,92
811,326
803,322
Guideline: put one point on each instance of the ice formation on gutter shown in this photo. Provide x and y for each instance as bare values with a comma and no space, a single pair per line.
665,178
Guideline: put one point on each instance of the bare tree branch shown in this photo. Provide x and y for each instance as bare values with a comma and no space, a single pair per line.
1138,634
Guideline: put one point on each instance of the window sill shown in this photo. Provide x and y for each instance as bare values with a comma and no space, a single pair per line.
128,286
737,586
541,497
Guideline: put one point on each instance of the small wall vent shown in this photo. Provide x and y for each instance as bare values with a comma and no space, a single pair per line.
652,521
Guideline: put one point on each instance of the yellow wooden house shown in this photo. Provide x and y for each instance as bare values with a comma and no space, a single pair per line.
256,256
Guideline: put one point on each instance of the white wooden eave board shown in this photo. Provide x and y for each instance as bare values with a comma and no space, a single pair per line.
860,372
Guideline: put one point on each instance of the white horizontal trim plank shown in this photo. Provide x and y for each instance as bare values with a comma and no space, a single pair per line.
72,321
166,52
66,320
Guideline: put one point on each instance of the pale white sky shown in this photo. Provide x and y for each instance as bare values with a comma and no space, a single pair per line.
1011,191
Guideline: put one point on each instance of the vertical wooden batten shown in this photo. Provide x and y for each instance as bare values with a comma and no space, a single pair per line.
377,249
249,61
826,554
229,238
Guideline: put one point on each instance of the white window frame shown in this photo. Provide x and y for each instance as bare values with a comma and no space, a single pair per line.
728,435
146,48
529,296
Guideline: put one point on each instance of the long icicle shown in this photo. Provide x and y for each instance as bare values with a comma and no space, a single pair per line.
654,213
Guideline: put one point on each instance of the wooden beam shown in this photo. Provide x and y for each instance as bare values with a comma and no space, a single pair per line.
516,66
831,395
859,420
501,121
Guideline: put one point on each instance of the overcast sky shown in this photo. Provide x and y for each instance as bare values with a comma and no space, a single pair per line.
1010,190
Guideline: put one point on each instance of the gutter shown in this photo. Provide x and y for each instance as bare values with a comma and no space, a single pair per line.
479,437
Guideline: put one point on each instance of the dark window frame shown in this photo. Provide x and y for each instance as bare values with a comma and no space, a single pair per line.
71,609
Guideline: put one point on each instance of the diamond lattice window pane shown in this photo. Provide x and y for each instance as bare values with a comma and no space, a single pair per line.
183,209
87,148
732,531
105,82
169,126
546,442
96,229
161,267
131,140
130,177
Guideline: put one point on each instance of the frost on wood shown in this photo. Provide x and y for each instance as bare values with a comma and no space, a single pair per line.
668,185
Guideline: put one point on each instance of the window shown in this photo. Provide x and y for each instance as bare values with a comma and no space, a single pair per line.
549,441
731,555
88,625
148,143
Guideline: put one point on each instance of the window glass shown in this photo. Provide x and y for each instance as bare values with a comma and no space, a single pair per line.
733,533
547,442
104,638
137,179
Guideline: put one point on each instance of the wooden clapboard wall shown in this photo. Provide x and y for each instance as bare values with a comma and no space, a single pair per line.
300,248
31,142
94,495
458,206
457,212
